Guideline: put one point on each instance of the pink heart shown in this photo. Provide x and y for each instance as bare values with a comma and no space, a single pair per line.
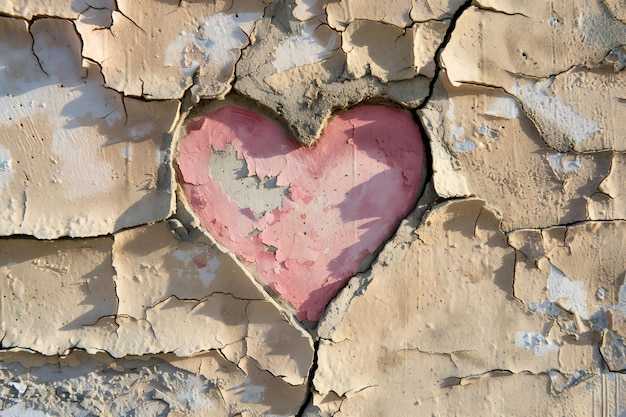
303,219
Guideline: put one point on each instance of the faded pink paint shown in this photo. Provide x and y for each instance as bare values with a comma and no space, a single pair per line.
346,195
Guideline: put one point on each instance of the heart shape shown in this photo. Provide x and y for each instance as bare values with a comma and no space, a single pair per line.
303,219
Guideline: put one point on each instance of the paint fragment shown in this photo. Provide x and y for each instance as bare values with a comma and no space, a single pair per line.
487,132
66,140
535,342
569,293
5,166
467,145
381,49
187,46
511,173
563,163
328,208
549,110
216,42
613,349
312,43
309,9
504,107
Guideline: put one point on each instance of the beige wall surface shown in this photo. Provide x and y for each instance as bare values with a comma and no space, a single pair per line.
312,208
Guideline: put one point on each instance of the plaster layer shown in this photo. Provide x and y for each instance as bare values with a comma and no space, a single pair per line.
502,293
91,295
160,50
484,145
78,159
449,327
358,62
154,385
553,59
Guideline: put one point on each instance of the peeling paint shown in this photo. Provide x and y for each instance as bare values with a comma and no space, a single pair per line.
535,342
549,110
506,282
570,294
467,145
562,162
504,107
306,247
61,122
218,40
247,190
5,166
309,45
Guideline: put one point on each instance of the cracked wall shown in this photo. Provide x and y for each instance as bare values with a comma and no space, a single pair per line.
312,208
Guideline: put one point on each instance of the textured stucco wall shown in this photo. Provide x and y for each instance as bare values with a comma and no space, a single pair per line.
312,208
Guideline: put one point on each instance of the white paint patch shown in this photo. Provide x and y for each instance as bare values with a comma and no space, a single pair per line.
5,166
249,393
467,145
457,132
20,410
563,163
304,48
159,156
127,151
253,394
19,387
547,307
140,131
205,267
569,293
450,111
535,342
504,108
218,41
550,111
487,132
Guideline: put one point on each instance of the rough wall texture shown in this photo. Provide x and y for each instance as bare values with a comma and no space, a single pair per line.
313,208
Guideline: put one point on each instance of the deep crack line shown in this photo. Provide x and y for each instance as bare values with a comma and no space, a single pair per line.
440,49
310,387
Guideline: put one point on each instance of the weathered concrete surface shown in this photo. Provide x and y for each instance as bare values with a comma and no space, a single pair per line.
161,49
502,293
145,292
451,325
153,385
550,58
345,60
76,159
484,145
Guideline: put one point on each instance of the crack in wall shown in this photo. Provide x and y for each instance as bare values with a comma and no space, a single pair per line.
364,279
437,58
